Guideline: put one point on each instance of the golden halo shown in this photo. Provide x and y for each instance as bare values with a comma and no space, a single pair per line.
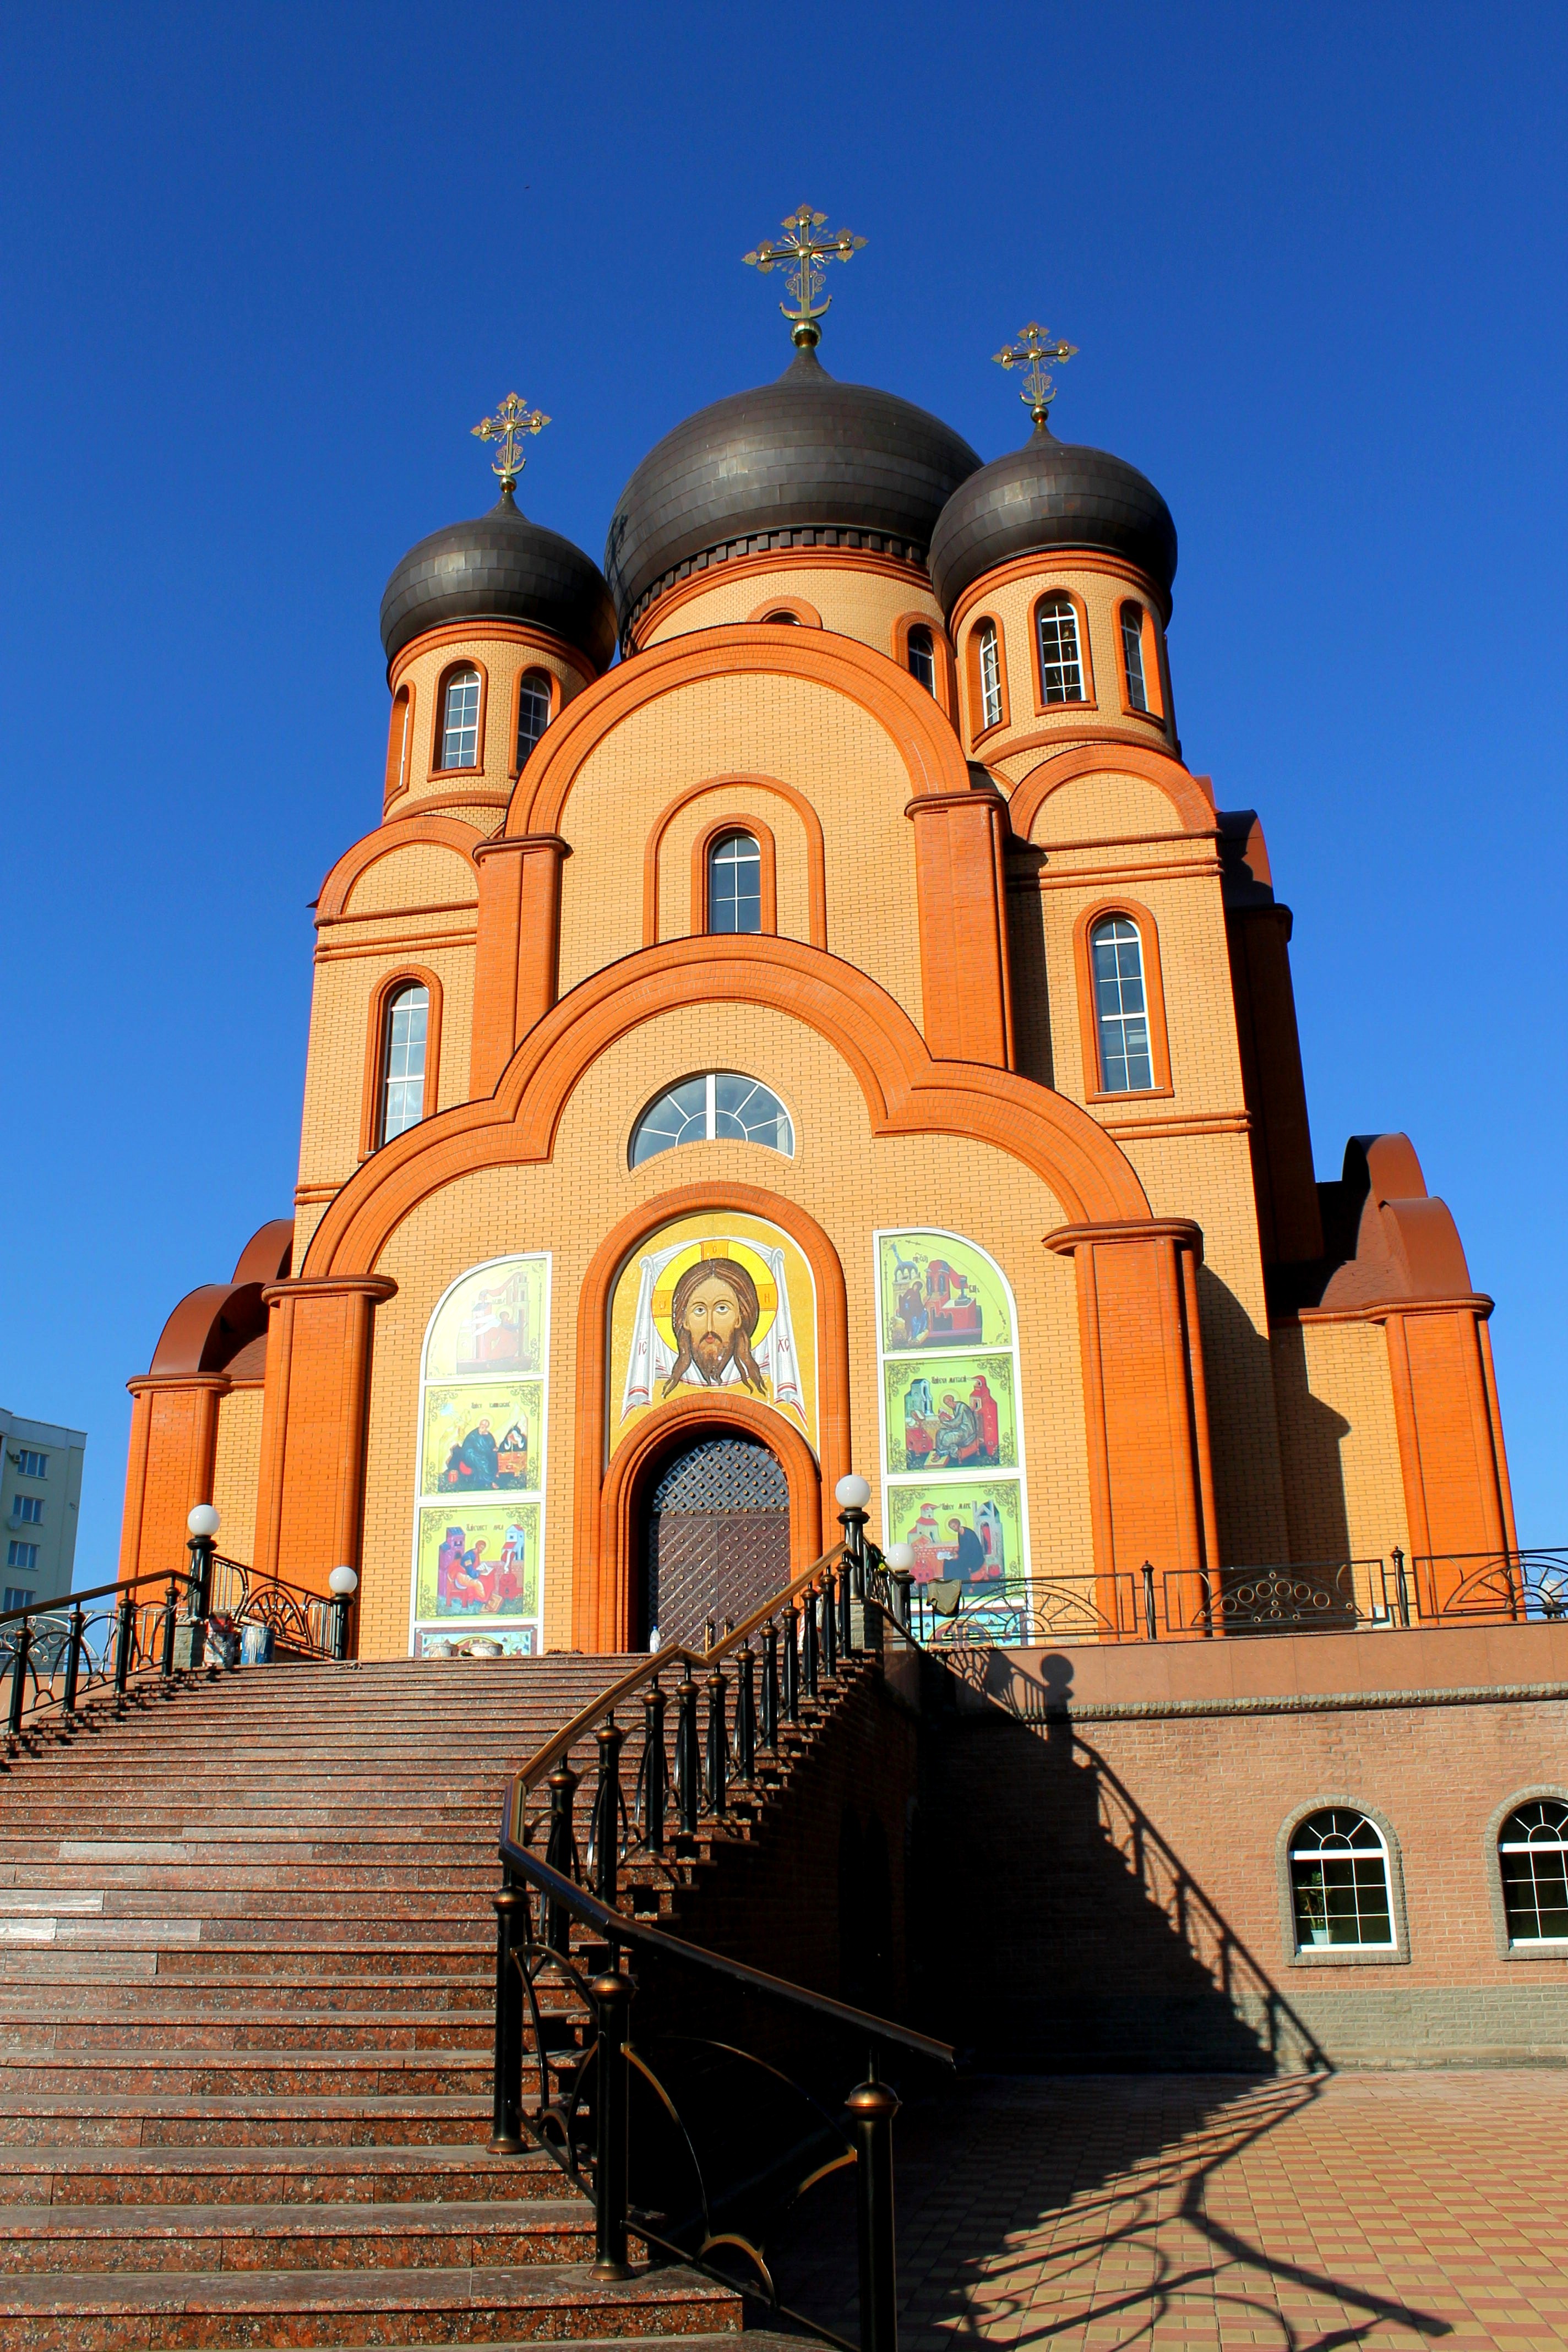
743,1254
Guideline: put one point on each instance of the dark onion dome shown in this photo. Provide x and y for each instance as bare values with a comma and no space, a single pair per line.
500,567
1047,495
803,462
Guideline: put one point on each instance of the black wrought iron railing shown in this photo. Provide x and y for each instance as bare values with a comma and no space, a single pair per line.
105,1645
697,2144
1499,1587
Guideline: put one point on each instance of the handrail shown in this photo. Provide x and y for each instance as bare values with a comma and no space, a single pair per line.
544,1760
618,1927
96,1592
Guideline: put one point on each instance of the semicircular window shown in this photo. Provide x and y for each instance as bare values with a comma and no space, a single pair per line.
714,1106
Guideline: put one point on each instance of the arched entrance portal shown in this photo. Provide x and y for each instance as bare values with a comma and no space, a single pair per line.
715,1535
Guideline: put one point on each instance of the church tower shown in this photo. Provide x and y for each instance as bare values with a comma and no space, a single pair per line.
799,1015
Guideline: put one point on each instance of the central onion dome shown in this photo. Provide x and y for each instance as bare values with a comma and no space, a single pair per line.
1049,495
803,462
500,567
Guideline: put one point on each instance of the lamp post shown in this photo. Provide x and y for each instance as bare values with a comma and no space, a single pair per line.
852,1495
343,1585
901,1560
203,1524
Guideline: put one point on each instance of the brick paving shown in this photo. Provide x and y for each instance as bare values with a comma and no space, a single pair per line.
1096,2212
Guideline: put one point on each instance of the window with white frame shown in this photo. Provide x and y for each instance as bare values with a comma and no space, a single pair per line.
920,653
1061,656
15,1597
735,884
1533,1853
28,1508
1120,1007
990,653
32,1466
21,1555
461,720
1132,655
1339,1883
403,1060
533,712
710,1107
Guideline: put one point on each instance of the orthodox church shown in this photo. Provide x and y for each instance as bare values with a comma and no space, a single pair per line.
798,1014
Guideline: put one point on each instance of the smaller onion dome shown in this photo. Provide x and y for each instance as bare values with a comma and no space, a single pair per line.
1050,494
500,567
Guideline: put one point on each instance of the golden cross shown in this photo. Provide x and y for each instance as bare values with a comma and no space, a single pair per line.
1037,350
511,420
807,256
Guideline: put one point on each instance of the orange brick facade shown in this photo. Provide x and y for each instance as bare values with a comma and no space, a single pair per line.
1221,1361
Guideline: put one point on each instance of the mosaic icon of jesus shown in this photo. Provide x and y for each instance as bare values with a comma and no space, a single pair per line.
714,1312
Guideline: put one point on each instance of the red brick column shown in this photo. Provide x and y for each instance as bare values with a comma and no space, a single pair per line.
310,1503
517,959
1145,1396
965,994
173,1446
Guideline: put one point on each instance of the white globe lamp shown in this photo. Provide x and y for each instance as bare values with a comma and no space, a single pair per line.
852,1493
343,1583
901,1557
204,1521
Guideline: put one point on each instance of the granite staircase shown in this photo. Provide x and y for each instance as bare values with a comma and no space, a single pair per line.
247,1979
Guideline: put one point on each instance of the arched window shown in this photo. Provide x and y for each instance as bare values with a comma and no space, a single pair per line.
403,1059
1132,657
735,884
1061,657
1532,1851
710,1107
461,720
533,712
990,653
920,653
1339,1881
1120,1007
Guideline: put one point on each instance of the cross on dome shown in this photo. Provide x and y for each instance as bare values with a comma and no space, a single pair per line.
511,420
1038,350
808,255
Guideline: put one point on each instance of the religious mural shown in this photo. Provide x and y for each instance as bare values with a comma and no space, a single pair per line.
715,1301
951,1440
479,1517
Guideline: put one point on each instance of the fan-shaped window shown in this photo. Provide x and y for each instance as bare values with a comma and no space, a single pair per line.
921,650
1061,656
1533,1853
1120,1006
1339,1881
533,712
990,676
710,1107
1132,657
403,1060
461,720
735,884
785,620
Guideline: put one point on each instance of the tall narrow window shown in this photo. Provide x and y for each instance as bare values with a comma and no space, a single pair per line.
461,720
1533,1853
735,884
1339,1883
921,653
1132,655
403,1060
397,742
533,712
1121,1012
1061,657
990,676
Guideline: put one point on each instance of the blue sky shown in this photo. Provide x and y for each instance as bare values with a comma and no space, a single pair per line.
263,269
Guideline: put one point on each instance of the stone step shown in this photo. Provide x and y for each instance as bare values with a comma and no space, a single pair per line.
176,1874
462,1997
182,2311
437,2235
239,1959
270,2176
30,2118
241,2074
248,2031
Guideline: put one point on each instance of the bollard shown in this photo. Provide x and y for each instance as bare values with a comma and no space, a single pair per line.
605,1834
122,1635
791,1667
771,1687
746,1717
561,1852
19,1676
653,1782
718,1743
167,1668
73,1660
687,1756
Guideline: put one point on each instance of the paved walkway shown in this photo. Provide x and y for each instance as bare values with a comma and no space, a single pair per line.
1379,2210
